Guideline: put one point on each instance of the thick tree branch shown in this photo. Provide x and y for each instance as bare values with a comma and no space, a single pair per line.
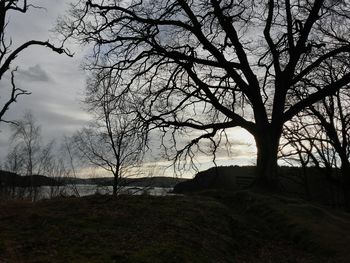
314,97
6,65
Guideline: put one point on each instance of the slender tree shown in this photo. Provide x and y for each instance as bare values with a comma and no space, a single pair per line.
10,51
26,138
112,141
210,65
32,156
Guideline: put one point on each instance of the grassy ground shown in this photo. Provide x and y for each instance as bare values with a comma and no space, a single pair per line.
207,227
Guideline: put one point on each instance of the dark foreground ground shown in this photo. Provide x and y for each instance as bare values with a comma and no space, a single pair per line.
208,227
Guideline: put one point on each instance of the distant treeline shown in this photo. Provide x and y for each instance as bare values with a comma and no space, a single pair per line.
9,179
312,183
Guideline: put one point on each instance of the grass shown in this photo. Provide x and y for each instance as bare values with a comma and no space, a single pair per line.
212,226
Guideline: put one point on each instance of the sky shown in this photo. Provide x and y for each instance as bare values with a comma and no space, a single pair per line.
57,85
55,81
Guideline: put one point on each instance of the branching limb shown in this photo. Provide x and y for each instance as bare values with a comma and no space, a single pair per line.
15,93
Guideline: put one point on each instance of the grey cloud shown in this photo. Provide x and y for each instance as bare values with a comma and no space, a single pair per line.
34,73
55,81
241,142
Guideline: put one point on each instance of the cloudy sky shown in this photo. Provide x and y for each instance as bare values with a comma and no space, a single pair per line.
56,81
57,84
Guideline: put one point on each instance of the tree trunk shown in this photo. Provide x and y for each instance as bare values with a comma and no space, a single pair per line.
306,183
116,178
266,166
115,185
345,171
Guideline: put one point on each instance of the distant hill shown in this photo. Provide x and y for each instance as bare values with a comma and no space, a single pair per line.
158,181
223,177
315,184
91,181
9,179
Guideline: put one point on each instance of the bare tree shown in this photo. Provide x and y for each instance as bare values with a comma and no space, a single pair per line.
14,160
9,51
334,116
32,156
27,140
210,65
112,142
331,120
296,152
306,143
69,165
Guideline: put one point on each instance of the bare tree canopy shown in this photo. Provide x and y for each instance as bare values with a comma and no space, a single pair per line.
113,141
322,133
10,51
210,65
28,155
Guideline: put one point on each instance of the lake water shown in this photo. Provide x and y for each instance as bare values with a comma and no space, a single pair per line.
45,192
84,190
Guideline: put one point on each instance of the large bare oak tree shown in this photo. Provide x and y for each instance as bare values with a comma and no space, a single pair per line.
210,65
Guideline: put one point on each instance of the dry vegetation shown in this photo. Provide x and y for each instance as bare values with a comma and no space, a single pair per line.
208,227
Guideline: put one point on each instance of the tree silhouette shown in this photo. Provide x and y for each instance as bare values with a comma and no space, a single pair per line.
325,126
334,116
9,52
210,65
28,155
305,142
112,141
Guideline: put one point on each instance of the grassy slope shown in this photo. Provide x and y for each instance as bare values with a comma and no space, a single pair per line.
209,227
